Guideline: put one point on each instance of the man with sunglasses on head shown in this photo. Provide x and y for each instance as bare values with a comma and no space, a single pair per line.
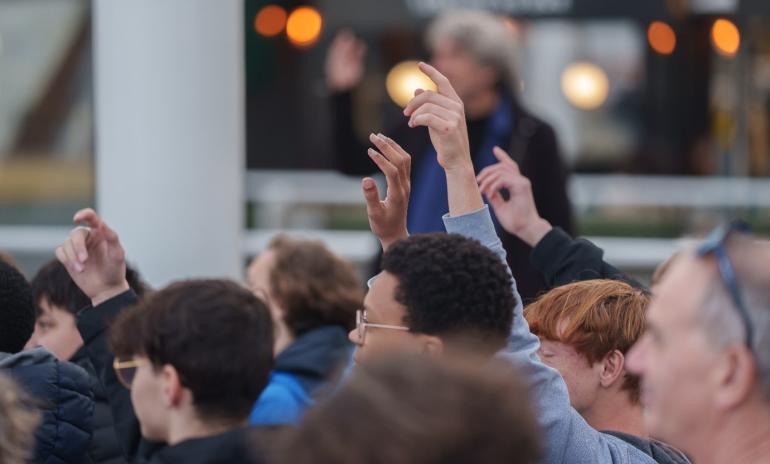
181,369
705,359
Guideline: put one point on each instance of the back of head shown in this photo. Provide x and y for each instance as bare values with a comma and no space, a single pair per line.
17,313
595,317
482,35
216,334
313,286
453,287
420,410
18,421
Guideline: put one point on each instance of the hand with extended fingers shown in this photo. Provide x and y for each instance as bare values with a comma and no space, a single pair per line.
387,218
345,62
94,258
443,113
518,215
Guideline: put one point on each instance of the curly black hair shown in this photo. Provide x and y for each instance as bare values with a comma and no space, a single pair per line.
452,286
17,313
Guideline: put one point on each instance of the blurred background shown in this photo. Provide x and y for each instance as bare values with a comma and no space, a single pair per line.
661,109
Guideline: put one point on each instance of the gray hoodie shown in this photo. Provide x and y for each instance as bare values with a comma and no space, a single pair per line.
567,437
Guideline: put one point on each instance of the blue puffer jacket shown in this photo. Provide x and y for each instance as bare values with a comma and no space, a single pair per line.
63,392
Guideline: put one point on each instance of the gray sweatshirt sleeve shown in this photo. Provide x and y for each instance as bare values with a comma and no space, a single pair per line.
567,438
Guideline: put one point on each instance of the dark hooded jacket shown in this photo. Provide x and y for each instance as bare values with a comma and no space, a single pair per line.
63,394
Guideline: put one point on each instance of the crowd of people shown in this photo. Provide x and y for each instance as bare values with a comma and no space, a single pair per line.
434,360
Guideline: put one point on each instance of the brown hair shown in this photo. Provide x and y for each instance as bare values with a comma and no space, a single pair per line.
215,333
420,410
598,317
313,285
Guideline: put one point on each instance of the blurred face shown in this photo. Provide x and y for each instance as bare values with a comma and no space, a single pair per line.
468,77
56,330
581,377
148,397
675,359
381,307
258,280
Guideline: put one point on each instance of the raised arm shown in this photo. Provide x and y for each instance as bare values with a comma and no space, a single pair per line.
557,256
567,437
95,259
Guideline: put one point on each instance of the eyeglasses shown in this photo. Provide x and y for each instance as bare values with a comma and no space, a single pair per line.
125,371
362,324
716,243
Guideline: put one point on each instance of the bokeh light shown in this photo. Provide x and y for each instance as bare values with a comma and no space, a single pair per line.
726,37
661,37
304,26
404,79
270,20
585,85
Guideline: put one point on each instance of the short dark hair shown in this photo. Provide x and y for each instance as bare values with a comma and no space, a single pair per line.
314,286
452,286
17,313
54,284
215,333
420,410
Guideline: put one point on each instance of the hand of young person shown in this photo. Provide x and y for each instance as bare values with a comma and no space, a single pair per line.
387,218
345,62
518,214
443,113
94,258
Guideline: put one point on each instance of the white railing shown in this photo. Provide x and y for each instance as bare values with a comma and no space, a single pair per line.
275,195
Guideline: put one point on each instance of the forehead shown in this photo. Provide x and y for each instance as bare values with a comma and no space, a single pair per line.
681,291
261,265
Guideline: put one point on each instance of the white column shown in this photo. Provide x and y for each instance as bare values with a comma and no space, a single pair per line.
169,86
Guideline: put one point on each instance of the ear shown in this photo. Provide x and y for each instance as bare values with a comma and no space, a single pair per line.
173,391
612,368
432,345
735,376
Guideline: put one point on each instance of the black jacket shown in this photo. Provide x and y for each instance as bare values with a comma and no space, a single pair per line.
562,259
104,448
226,447
532,144
63,392
315,356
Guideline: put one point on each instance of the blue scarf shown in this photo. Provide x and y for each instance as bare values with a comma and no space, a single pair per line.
428,202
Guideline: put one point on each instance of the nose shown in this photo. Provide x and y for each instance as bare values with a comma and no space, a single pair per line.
354,337
636,355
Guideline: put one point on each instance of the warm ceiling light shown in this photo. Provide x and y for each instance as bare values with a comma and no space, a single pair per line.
404,79
304,26
585,85
726,37
661,37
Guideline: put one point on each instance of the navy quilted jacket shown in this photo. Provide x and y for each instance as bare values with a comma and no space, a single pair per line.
62,391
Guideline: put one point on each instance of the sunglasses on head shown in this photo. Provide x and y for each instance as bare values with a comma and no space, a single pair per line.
716,244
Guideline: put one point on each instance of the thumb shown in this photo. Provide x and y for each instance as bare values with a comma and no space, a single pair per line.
371,194
503,157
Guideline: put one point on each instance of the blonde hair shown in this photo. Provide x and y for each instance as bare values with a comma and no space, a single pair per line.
18,421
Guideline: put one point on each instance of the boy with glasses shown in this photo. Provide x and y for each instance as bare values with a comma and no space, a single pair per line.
195,355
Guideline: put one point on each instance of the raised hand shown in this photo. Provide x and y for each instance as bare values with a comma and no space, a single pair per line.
387,218
94,258
345,62
443,113
518,215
